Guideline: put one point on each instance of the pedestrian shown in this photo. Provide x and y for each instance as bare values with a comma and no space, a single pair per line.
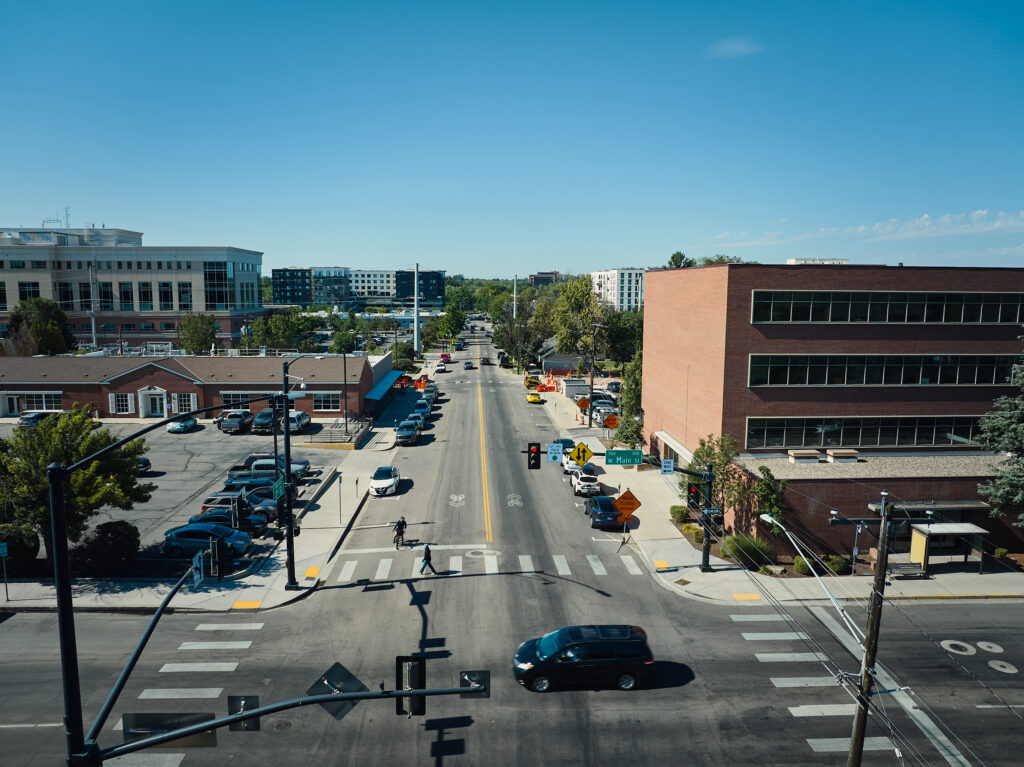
426,561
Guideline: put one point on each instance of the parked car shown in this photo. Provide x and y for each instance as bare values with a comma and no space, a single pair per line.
255,525
534,398
236,421
384,481
423,407
441,368
298,421
261,487
568,463
143,465
182,425
584,481
188,540
615,387
265,421
531,382
584,655
33,417
419,419
300,466
602,513
241,501
407,433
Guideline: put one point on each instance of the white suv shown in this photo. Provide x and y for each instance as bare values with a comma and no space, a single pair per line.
297,421
584,480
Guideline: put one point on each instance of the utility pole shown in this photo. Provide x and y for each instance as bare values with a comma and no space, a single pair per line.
416,310
867,668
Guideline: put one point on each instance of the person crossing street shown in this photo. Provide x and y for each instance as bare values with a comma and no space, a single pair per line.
426,561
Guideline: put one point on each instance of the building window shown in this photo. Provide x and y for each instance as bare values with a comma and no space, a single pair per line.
236,399
86,327
107,327
42,401
106,296
885,307
3,297
66,296
167,326
17,264
146,296
127,300
122,403
184,295
28,290
219,285
147,325
38,264
880,370
128,327
327,401
182,402
85,297
166,297
792,433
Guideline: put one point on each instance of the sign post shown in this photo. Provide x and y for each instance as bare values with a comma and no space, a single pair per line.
3,556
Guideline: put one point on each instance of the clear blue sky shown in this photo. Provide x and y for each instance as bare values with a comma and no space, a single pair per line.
492,138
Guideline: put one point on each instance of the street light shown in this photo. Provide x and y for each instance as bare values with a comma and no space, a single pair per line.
292,584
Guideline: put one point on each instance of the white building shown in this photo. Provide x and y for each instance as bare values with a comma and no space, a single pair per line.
622,288
372,283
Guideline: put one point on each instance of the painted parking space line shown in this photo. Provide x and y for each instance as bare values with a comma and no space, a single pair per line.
189,668
346,571
631,565
383,568
229,627
822,745
181,693
595,564
561,566
240,645
832,709
773,636
804,681
790,657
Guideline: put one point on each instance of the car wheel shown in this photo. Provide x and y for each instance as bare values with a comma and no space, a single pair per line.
593,525
626,682
176,552
540,684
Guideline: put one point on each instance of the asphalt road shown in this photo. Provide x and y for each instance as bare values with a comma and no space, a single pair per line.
733,684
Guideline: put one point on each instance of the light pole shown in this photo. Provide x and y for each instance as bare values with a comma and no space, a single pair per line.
344,386
593,364
289,533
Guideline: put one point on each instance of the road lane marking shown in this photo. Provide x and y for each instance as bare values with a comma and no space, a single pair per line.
229,627
180,693
41,724
346,571
561,566
187,668
804,681
526,563
828,709
417,563
595,564
488,530
757,618
244,645
383,568
455,565
821,745
490,564
774,636
438,547
790,657
631,565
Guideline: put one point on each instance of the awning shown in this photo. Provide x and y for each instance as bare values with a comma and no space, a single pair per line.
950,528
664,438
384,385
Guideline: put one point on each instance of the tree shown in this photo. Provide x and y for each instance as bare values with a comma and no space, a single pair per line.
719,258
197,332
630,428
769,494
343,343
576,312
624,334
65,439
46,323
452,322
286,330
1002,430
730,488
679,260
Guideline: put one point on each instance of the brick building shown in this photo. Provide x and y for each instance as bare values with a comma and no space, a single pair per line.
884,361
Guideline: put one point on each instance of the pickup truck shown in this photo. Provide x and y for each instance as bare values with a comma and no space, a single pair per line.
300,466
236,421
264,467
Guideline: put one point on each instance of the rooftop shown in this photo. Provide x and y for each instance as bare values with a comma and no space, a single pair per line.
880,466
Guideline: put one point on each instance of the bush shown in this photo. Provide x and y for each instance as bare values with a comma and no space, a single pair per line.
800,566
679,513
22,545
998,553
765,570
107,550
696,531
746,551
837,564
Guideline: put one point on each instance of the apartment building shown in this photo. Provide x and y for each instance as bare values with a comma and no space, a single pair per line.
622,288
114,289
356,288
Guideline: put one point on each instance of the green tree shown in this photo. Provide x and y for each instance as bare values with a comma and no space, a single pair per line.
730,487
46,325
577,310
624,334
630,428
769,495
460,297
197,332
1002,430
343,343
719,258
66,439
679,260
266,290
452,322
286,330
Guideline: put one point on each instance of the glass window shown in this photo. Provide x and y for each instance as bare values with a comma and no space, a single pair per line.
146,296
3,297
42,401
125,297
17,264
219,285
38,264
128,327
167,326
28,290
66,296
185,296
121,403
798,370
147,325
166,297
758,370
990,308
840,307
106,296
107,327
328,401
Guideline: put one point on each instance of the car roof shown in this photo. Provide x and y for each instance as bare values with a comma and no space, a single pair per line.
604,503
620,632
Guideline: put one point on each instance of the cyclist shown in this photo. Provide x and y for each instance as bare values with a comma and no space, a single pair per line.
399,529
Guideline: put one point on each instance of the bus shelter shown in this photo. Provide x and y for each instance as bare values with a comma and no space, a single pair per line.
967,537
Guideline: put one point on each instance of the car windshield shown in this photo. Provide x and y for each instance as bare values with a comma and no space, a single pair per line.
222,531
406,425
384,472
549,644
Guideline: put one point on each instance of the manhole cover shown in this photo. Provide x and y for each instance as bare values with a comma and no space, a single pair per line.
283,724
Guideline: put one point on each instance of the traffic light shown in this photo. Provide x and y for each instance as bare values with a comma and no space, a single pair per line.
410,674
693,496
533,455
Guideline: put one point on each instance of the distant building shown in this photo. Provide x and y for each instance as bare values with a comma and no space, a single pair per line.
356,288
114,288
622,288
431,291
331,286
544,278
292,286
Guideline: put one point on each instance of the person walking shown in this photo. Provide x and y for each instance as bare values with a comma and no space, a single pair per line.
426,561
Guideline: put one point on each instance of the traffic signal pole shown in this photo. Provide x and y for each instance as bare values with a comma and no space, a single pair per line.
705,552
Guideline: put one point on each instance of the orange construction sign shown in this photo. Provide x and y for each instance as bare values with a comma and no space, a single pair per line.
611,421
626,504
583,403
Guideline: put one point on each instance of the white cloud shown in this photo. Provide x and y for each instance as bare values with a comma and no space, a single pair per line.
733,48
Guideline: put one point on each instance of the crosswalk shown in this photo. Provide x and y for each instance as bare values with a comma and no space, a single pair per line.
374,567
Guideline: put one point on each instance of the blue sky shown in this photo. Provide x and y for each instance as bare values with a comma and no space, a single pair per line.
490,138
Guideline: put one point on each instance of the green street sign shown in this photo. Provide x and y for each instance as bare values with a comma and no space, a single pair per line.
279,488
623,458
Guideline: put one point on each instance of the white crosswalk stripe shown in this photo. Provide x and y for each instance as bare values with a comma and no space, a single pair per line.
229,627
346,571
490,564
242,645
595,564
836,709
455,565
526,563
180,693
843,744
188,668
631,566
561,566
804,681
774,636
769,618
383,568
790,657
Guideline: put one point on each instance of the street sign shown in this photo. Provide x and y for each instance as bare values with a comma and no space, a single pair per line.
581,454
626,504
611,421
337,679
623,458
279,488
668,465
3,549
554,452
583,403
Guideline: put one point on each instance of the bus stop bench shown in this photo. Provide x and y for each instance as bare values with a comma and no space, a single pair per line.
905,570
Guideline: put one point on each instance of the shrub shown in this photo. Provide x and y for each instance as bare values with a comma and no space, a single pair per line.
765,570
800,566
680,513
749,552
109,549
22,545
837,564
998,553
696,531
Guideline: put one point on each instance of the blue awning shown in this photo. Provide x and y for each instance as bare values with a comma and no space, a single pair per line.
378,391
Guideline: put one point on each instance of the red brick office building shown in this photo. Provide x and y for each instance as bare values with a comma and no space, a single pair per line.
886,361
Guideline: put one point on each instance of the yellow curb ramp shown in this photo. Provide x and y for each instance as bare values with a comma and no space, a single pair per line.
246,605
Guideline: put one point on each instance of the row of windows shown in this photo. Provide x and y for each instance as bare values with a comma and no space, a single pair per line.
791,433
328,401
129,327
41,401
883,307
880,370
20,264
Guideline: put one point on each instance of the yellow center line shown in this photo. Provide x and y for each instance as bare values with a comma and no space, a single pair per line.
488,532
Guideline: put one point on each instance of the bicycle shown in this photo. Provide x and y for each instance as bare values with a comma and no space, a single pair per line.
399,539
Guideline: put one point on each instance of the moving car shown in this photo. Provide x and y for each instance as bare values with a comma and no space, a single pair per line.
603,513
298,421
384,481
143,464
265,421
187,540
531,382
235,421
407,433
584,655
534,398
182,425
584,480
485,360
467,365
441,368
446,357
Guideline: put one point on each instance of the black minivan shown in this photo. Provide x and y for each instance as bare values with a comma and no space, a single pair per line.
584,655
